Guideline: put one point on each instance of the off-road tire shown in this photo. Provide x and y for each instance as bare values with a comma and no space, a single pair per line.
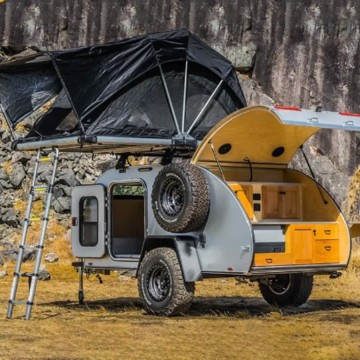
161,285
293,292
180,198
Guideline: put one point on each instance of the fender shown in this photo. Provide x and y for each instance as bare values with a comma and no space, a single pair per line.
185,248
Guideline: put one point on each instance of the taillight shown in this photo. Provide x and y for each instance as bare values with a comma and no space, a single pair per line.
280,107
348,114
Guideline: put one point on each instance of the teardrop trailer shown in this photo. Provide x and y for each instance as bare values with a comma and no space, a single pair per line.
222,202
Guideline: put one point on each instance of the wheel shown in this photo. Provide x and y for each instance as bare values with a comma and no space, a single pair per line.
161,284
180,198
284,290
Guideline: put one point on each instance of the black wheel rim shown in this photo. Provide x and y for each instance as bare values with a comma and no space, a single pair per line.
172,197
158,283
280,285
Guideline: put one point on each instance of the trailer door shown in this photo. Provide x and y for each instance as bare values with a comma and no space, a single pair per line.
88,211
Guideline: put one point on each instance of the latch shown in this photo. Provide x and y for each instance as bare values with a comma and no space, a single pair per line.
202,240
244,249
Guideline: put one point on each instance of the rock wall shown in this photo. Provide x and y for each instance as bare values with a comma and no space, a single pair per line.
303,53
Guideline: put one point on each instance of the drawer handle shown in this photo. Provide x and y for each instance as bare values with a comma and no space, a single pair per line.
327,248
327,232
269,261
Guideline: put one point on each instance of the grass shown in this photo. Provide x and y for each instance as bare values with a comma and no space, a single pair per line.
226,321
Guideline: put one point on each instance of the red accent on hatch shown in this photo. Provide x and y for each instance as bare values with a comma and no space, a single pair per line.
348,114
280,107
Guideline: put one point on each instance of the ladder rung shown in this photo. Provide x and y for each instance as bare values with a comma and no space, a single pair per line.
40,189
19,302
34,219
45,159
27,246
29,274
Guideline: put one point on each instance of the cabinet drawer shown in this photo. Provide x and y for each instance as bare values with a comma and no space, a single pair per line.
272,259
326,251
326,231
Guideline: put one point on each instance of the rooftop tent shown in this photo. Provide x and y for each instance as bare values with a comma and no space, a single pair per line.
25,85
145,89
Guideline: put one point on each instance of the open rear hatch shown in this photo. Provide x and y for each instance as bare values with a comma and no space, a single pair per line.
297,225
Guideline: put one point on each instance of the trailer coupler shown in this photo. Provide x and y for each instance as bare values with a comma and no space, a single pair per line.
335,275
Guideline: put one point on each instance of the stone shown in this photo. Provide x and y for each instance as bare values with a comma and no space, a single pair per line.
62,204
10,218
29,254
10,255
5,184
4,175
2,259
44,275
20,157
3,273
17,175
66,177
51,258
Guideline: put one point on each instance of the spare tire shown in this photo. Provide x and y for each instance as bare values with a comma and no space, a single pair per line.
180,198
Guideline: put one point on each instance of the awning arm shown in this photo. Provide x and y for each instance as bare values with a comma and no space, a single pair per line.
169,99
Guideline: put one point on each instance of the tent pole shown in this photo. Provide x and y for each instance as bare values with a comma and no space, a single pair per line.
12,132
184,99
205,106
169,99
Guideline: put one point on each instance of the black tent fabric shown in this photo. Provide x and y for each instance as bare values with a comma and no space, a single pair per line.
151,86
25,85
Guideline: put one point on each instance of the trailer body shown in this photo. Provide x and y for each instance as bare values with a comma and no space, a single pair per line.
265,222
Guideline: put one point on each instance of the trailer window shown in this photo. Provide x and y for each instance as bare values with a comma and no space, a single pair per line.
89,221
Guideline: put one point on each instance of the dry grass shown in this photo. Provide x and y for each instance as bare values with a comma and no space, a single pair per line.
226,321
7,166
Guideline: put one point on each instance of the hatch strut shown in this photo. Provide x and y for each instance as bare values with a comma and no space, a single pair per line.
313,176
217,160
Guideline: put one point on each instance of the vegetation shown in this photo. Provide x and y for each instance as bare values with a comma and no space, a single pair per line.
226,321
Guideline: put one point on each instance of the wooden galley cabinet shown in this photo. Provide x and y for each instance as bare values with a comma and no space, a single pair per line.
281,201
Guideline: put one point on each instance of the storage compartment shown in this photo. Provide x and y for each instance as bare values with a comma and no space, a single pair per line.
304,244
301,241
244,192
269,201
281,202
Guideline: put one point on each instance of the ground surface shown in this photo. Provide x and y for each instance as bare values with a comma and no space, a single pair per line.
226,321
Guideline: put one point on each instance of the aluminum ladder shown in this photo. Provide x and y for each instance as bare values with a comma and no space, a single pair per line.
46,189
